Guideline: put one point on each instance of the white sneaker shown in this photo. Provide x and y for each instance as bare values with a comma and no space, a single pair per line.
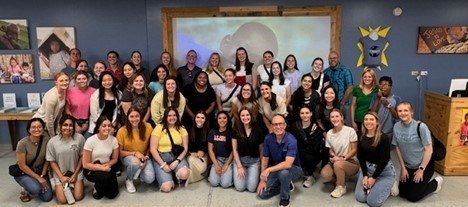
308,182
395,190
130,187
338,192
439,180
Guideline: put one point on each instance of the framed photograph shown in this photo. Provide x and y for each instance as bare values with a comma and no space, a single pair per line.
16,68
14,34
445,40
54,43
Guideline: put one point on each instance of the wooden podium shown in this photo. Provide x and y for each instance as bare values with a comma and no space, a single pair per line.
444,116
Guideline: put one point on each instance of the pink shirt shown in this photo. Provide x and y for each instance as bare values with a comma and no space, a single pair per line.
464,129
78,102
14,70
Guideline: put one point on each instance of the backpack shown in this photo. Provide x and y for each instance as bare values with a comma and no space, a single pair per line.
438,149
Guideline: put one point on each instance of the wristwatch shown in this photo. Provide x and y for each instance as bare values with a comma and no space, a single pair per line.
421,168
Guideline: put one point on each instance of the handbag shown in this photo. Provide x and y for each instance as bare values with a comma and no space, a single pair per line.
15,171
175,148
438,149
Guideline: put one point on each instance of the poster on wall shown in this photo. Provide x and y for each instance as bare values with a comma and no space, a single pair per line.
372,46
14,34
54,43
448,40
16,68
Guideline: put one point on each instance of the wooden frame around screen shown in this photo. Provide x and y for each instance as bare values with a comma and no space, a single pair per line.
167,15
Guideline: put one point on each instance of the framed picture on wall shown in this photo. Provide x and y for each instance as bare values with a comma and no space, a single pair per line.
16,68
14,34
448,40
54,43
257,29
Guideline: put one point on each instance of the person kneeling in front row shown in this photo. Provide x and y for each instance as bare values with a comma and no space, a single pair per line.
279,169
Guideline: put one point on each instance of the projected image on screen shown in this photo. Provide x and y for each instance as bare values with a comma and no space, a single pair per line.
305,37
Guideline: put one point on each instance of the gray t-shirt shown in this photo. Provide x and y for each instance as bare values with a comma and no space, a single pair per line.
66,153
386,118
29,148
411,145
101,149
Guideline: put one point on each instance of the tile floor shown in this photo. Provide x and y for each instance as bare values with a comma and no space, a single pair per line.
454,193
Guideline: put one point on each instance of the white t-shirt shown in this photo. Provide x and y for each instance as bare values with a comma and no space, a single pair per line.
101,149
224,93
263,74
280,90
340,142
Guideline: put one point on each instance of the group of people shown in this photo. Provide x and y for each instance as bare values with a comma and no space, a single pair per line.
257,129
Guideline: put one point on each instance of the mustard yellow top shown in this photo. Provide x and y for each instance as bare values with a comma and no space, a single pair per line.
134,144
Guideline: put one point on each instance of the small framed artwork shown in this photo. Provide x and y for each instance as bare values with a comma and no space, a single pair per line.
14,34
54,43
16,68
445,40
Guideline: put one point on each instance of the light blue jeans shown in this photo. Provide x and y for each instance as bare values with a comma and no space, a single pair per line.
278,182
225,180
133,164
251,167
379,193
32,186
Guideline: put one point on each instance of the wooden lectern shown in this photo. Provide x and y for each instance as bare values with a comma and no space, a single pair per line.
444,116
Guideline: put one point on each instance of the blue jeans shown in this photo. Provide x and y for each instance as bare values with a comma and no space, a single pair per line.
379,193
32,186
278,182
225,180
251,167
133,164
161,175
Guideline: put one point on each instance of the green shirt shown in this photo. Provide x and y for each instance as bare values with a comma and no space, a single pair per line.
362,102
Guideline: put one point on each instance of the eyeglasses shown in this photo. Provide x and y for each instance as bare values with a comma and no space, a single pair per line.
277,124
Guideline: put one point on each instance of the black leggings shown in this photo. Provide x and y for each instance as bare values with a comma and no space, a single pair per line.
104,182
416,191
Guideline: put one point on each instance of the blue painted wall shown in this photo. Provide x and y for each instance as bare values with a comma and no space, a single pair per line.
127,25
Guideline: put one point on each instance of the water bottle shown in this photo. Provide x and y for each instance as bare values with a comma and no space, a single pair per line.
137,173
68,194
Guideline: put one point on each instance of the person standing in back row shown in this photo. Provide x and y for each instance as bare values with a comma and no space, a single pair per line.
340,77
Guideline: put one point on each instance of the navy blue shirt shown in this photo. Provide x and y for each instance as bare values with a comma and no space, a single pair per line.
277,152
221,141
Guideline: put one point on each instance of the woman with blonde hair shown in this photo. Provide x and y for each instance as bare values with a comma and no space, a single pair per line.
215,70
53,103
377,172
362,97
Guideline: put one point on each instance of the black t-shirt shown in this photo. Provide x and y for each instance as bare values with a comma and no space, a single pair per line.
199,143
379,155
108,110
316,82
248,146
221,142
140,101
198,101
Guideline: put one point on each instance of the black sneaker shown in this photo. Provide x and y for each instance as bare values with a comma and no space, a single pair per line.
284,202
118,173
291,187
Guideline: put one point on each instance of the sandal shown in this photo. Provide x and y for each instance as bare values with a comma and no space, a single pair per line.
24,196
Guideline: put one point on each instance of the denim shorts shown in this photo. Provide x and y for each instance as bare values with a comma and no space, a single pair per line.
161,175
